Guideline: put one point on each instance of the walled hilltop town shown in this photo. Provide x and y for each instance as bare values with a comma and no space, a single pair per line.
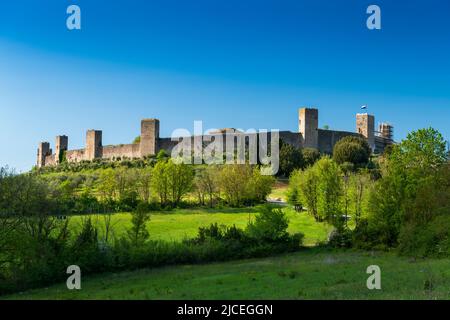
309,135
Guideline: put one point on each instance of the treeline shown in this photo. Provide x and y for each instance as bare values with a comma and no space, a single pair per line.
165,185
403,202
36,250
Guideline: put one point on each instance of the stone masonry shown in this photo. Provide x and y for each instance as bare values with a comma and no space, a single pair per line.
308,136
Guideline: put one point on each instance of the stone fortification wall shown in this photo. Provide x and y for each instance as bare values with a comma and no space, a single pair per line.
121,151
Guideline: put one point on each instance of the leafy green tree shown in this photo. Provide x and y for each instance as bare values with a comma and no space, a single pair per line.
172,181
124,182
207,185
422,150
329,187
143,183
106,185
260,186
160,183
352,149
402,197
360,184
162,155
269,225
180,177
138,233
307,183
88,236
310,156
291,158
293,192
233,180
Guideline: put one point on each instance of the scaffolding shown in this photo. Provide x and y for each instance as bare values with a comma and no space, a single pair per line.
386,131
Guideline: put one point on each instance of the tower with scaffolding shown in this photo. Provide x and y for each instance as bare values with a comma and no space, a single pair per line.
384,136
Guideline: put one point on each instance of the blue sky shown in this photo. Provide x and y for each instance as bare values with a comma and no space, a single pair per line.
245,64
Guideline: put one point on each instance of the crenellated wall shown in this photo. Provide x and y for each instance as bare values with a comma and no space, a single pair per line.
50,160
120,151
309,135
328,138
75,155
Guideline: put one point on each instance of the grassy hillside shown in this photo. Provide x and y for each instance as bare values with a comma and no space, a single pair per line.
178,224
311,274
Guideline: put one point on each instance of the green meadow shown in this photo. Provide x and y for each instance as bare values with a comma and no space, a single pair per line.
310,274
184,223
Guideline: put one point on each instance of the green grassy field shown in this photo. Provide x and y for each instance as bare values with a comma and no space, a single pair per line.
279,190
310,274
181,223
184,223
313,273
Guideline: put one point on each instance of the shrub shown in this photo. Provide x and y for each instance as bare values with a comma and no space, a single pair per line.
352,149
216,232
270,225
310,156
341,238
430,240
138,233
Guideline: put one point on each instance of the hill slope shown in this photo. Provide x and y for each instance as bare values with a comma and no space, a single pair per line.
310,274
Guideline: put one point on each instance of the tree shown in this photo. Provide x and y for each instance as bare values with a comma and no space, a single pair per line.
106,184
171,181
303,190
293,192
359,186
180,177
310,156
401,198
207,185
160,183
291,158
329,187
233,180
143,183
162,155
259,186
423,149
138,233
124,182
352,149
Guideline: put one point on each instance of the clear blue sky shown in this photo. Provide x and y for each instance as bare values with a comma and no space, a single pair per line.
230,63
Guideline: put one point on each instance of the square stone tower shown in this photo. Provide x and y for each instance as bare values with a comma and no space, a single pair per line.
149,137
43,151
94,146
62,143
308,126
365,125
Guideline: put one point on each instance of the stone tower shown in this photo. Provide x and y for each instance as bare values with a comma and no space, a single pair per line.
62,143
43,151
94,146
149,137
308,126
365,125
